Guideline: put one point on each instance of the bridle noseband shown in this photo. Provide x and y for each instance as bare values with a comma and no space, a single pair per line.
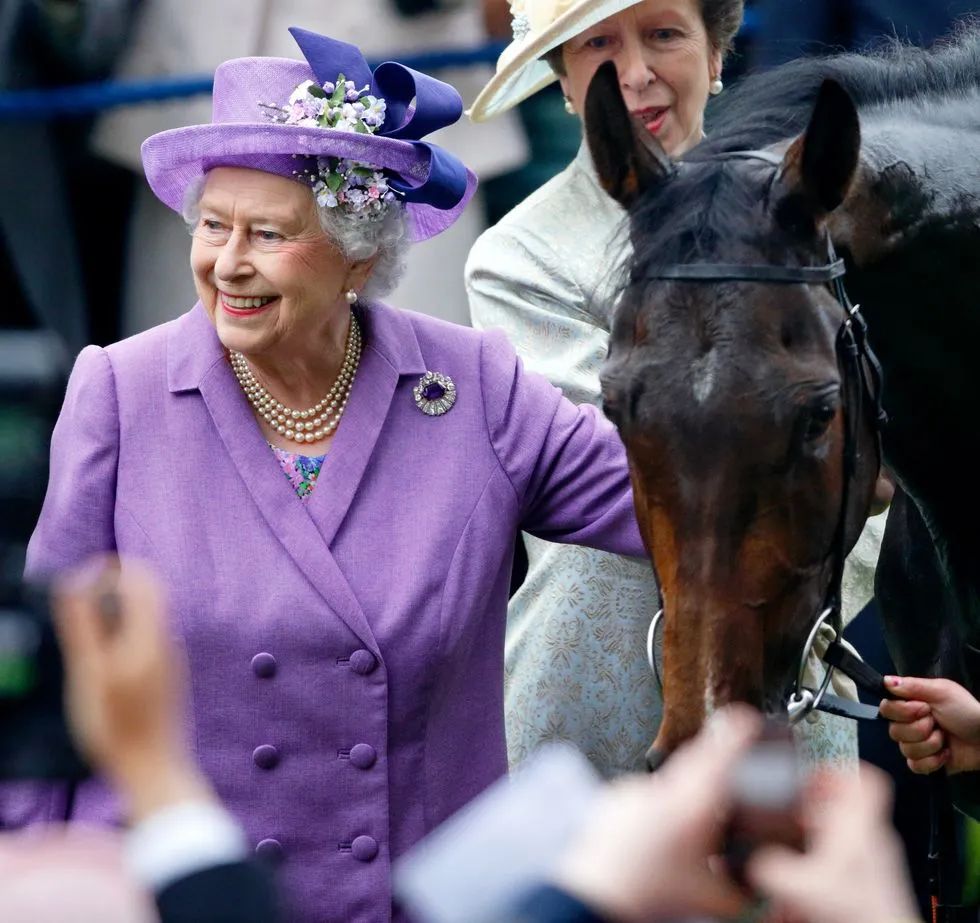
861,375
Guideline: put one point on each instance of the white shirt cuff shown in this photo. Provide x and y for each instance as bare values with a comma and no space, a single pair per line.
181,840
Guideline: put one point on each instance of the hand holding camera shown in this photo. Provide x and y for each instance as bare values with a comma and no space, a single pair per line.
853,867
723,823
652,850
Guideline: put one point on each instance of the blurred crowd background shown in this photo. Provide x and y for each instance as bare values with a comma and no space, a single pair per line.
89,255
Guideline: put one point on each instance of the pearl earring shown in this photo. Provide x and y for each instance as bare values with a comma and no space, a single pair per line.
569,106
351,296
716,86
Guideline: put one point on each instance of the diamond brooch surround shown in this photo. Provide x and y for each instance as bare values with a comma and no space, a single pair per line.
435,394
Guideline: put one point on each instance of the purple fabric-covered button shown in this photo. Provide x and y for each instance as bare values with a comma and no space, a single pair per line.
363,662
433,391
269,850
266,756
363,756
364,848
264,665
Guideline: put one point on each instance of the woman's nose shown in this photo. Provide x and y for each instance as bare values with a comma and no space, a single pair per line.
233,261
634,66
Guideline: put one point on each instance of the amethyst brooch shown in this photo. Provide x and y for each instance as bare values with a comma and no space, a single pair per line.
435,394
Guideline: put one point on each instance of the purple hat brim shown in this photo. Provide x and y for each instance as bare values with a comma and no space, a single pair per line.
174,159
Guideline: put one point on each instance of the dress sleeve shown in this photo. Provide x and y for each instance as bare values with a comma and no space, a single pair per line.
566,463
77,519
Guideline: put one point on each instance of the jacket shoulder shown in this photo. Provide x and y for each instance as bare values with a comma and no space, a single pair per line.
147,346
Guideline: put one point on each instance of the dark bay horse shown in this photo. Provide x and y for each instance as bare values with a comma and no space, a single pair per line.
731,396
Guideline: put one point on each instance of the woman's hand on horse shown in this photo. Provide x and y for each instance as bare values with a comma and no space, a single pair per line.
935,722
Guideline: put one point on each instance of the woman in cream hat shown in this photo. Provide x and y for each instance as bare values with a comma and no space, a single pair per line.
577,626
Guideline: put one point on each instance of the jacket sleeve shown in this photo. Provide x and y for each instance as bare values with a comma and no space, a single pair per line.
77,519
515,282
239,892
566,463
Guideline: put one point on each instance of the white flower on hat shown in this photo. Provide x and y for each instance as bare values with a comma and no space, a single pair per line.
301,92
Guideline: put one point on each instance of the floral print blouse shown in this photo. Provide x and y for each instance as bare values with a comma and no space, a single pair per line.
301,470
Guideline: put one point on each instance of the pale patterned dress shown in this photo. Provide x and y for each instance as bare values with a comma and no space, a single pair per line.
576,668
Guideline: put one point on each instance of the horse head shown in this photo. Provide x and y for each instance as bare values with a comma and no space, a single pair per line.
732,399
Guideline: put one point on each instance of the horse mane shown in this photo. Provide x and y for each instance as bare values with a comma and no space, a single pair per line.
709,202
767,107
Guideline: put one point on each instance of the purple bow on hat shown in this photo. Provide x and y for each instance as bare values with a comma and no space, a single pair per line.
417,104
434,185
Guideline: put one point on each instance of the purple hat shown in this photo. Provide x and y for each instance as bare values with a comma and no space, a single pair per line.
403,107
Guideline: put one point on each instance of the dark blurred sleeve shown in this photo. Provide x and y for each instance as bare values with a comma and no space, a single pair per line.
239,892
548,904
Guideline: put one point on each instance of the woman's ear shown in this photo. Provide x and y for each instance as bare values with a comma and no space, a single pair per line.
358,274
565,86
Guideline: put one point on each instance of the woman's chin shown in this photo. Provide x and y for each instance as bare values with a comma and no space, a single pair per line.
238,339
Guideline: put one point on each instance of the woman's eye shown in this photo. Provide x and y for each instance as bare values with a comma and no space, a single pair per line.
598,42
209,224
268,236
666,35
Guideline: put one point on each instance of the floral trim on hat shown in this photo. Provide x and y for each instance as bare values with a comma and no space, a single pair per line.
361,189
520,24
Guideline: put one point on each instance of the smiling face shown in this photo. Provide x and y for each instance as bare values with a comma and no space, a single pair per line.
268,276
665,62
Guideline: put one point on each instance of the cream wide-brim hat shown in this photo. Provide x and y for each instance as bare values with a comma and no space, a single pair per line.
539,27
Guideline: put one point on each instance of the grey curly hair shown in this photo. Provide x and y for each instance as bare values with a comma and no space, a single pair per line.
384,239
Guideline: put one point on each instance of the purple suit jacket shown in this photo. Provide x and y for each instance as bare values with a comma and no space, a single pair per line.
346,655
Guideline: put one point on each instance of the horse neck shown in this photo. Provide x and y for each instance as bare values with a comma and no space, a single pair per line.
937,139
919,287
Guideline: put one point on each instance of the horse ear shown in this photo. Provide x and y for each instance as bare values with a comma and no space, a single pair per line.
820,164
627,157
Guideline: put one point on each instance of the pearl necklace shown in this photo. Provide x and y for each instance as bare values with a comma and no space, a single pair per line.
320,420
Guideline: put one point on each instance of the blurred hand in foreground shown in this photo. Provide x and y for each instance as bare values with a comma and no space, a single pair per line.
853,868
647,852
124,684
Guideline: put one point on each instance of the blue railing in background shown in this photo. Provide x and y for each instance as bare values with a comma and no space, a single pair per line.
85,98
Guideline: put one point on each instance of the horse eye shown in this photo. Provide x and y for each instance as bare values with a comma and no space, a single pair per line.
818,418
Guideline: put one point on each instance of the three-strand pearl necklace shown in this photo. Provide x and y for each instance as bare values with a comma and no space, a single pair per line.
320,420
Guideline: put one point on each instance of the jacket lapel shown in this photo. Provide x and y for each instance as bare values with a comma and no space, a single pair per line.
196,361
390,351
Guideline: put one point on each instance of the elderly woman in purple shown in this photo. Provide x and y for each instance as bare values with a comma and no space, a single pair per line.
329,487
